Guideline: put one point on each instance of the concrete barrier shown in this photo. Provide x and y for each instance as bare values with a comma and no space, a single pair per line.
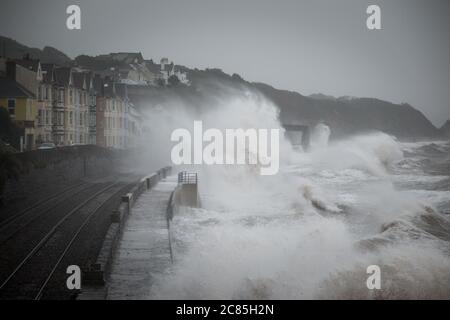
185,194
97,273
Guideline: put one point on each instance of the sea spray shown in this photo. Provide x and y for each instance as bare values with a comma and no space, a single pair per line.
308,232
320,136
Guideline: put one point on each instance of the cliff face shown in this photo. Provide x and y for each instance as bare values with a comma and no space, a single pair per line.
352,115
345,116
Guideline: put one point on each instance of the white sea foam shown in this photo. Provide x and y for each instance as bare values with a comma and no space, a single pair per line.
309,231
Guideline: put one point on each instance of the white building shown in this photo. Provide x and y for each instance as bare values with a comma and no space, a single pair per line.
169,69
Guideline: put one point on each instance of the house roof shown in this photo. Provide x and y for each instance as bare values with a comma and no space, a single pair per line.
79,80
153,67
11,89
29,64
98,84
62,76
48,69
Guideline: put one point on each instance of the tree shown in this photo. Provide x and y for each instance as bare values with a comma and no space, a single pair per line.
160,82
173,80
9,131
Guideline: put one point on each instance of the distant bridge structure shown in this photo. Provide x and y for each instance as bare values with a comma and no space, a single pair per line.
298,135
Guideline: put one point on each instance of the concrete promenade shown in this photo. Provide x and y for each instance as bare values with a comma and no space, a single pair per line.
144,247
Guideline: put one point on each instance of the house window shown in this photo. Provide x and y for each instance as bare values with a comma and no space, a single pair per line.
12,106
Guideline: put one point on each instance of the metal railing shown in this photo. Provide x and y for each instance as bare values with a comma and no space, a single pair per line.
187,178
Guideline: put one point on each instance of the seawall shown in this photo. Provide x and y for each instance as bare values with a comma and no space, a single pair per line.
96,277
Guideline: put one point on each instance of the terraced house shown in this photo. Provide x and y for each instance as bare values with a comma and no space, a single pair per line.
63,109
67,105
81,108
70,106
45,105
118,122
19,81
95,89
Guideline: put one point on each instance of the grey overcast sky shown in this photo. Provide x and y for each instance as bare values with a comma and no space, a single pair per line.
308,46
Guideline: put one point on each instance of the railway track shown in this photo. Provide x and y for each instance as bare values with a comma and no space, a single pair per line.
29,274
12,218
16,223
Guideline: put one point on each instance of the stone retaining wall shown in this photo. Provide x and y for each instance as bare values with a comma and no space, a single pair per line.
45,171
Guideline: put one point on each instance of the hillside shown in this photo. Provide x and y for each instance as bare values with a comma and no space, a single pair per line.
345,115
351,115
13,49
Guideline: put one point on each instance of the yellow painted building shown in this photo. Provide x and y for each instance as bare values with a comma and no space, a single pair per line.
22,107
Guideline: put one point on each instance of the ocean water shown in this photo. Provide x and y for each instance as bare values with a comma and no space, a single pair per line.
311,231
